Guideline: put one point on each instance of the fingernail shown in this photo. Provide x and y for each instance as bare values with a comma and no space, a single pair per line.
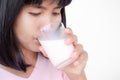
67,29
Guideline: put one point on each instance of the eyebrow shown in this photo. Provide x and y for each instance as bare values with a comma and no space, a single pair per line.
42,7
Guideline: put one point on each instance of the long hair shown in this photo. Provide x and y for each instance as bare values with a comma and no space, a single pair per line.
10,53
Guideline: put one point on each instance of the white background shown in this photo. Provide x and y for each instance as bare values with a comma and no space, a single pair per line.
97,25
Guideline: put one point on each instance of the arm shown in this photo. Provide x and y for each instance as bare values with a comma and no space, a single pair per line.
82,76
79,57
76,71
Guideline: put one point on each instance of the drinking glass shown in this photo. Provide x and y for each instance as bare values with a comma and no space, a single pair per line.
52,40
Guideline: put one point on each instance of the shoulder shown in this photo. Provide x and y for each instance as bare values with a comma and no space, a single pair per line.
5,74
52,72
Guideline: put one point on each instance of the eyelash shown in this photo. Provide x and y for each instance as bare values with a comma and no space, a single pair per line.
36,14
56,13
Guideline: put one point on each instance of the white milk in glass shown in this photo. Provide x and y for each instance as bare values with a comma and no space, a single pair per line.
58,52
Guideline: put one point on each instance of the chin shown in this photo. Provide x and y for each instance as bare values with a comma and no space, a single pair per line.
36,50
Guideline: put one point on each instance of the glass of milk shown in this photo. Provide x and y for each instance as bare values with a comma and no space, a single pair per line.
53,42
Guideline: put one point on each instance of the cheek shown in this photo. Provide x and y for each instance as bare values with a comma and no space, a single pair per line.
24,29
56,21
25,24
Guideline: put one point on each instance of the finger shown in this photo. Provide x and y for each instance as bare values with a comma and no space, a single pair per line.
76,40
77,51
68,31
82,59
71,39
81,63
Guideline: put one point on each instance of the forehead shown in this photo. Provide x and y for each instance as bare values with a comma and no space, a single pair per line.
60,3
50,2
47,3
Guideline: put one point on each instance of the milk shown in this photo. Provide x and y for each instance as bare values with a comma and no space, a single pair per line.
58,52
52,40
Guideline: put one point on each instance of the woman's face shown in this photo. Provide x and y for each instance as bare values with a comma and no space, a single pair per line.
31,19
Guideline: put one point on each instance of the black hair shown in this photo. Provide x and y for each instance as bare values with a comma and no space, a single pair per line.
10,53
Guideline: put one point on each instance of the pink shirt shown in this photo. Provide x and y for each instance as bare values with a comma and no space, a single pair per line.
43,70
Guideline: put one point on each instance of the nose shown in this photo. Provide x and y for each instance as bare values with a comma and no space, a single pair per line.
50,20
47,20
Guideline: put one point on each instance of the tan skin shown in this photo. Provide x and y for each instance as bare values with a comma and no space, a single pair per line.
26,27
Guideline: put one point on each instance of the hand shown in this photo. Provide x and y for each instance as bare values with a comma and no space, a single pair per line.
79,57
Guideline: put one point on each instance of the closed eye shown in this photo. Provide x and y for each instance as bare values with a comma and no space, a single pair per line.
56,13
34,14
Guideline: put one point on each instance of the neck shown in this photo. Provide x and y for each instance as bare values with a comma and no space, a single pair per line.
30,57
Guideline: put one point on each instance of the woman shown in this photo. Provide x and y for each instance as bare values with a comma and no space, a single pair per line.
21,55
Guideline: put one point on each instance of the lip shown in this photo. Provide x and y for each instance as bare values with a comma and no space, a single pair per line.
36,40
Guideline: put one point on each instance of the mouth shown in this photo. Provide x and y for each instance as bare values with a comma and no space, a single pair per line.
36,40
